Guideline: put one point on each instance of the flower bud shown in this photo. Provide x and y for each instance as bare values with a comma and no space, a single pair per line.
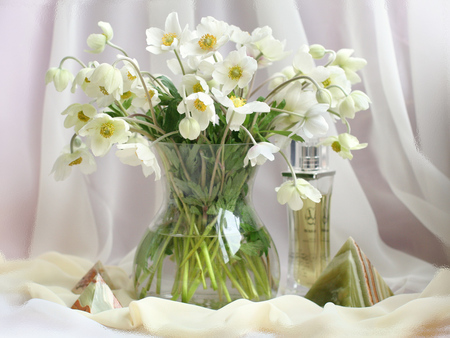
189,128
324,96
317,51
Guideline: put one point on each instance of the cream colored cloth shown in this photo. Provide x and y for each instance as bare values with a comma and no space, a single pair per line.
51,276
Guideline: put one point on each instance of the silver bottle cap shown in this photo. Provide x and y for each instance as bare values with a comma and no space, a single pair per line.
308,156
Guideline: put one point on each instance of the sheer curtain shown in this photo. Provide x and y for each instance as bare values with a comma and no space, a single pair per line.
393,198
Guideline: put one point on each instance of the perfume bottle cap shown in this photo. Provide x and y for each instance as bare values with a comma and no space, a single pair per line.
309,156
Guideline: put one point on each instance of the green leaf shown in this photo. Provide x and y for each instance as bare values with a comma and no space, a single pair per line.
169,84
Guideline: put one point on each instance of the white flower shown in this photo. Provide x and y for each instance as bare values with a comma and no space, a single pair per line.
103,131
236,70
294,192
337,78
304,62
97,42
189,128
78,115
238,108
201,108
140,99
343,144
211,34
80,158
162,41
264,47
260,153
307,114
353,103
105,84
139,153
193,84
129,74
81,79
350,64
60,78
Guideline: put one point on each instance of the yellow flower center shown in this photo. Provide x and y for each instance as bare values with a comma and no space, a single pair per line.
235,73
336,146
86,80
168,38
103,90
198,88
130,77
238,101
126,95
326,83
199,105
107,129
207,42
151,93
82,117
76,162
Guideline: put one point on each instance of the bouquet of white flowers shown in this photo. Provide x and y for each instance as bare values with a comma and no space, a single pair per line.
214,105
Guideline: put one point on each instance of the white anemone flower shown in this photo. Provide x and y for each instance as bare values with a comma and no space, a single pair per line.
343,144
59,76
189,128
193,84
349,64
80,158
97,42
312,123
294,192
139,153
201,108
140,99
303,62
161,41
105,84
78,115
353,103
238,108
129,74
236,69
82,77
260,153
211,34
103,131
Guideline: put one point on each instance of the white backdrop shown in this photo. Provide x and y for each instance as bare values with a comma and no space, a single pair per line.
393,198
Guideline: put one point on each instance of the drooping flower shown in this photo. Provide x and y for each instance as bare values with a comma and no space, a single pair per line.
238,108
260,153
78,115
294,192
97,42
162,41
105,84
103,131
82,77
353,103
210,35
129,74
201,108
81,158
59,76
349,64
343,144
189,128
236,69
137,152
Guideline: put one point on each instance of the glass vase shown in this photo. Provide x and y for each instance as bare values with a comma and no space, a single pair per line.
206,246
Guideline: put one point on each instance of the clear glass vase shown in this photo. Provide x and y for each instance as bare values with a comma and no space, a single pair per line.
206,246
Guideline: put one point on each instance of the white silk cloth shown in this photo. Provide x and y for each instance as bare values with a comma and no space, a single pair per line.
42,289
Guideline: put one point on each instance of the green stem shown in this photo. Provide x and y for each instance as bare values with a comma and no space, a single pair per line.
116,47
179,61
72,58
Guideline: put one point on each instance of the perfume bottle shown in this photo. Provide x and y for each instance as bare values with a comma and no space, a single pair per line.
309,228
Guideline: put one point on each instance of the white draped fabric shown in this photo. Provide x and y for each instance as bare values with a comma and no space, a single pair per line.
393,197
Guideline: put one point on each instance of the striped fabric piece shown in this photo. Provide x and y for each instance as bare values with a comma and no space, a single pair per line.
350,279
